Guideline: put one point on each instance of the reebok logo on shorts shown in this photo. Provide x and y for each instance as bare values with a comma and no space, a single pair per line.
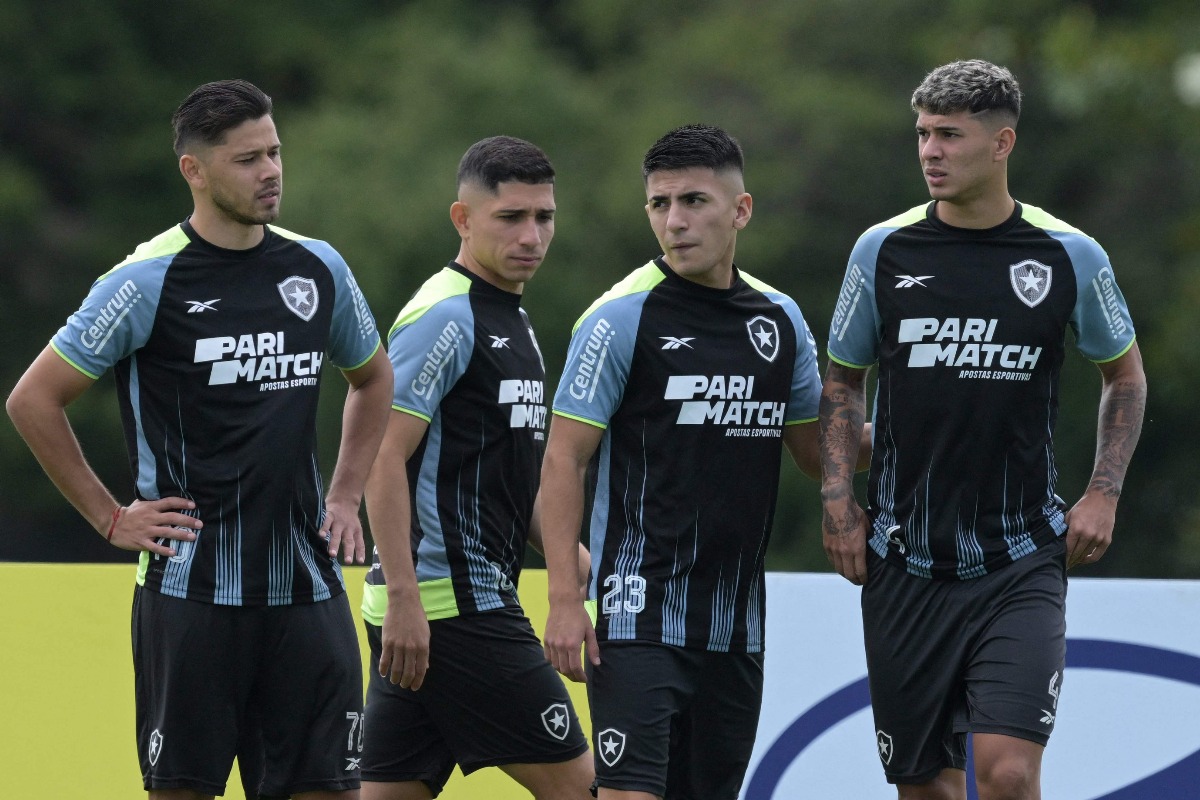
611,746
557,721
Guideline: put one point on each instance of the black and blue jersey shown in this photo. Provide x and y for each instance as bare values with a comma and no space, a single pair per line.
693,387
968,329
466,361
218,355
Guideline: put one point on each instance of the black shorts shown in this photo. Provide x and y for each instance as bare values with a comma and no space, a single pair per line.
946,658
674,722
283,681
490,698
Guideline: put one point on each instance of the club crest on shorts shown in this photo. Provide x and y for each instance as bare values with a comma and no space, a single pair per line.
557,721
884,742
1031,281
300,296
764,335
156,744
611,745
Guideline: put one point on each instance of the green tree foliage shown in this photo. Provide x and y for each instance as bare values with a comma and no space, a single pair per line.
377,101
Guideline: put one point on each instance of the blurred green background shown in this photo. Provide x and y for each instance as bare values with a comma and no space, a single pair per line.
376,101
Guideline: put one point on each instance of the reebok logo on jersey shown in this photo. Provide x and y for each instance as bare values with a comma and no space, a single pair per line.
257,357
499,342
528,403
110,317
724,400
437,358
1031,281
591,361
1105,286
611,744
200,306
300,296
909,281
676,342
965,343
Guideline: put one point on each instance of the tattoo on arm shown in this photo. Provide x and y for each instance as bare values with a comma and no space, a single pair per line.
843,411
1122,406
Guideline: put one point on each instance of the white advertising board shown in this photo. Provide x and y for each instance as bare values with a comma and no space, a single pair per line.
1128,719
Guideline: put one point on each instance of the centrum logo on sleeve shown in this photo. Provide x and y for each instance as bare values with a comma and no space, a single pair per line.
110,316
725,400
591,361
257,357
966,343
437,358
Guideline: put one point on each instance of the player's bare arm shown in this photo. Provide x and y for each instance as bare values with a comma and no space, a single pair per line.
37,407
569,449
364,418
535,541
1122,406
404,656
843,413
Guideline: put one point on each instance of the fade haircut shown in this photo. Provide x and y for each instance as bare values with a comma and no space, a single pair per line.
212,109
974,86
694,146
502,159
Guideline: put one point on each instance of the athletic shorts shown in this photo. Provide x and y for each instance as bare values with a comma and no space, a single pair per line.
674,722
946,658
489,698
281,683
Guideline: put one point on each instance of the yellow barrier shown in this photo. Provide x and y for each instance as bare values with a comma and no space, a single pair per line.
66,667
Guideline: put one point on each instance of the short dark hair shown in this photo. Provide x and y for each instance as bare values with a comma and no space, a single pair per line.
212,109
974,86
694,146
501,159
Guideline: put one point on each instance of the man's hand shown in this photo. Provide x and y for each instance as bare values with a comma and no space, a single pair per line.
404,659
568,630
845,537
1090,528
342,527
143,522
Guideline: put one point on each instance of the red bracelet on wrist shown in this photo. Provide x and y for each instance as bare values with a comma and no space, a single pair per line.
116,516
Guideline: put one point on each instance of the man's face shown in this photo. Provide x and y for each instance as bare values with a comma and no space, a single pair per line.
696,214
505,235
958,155
243,176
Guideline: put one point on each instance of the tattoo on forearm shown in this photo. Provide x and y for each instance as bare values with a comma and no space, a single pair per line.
843,411
1122,407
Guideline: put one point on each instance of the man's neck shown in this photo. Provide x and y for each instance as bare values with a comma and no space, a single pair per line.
223,232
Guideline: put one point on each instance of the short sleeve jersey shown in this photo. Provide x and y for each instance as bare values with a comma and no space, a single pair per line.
217,356
968,329
693,387
466,361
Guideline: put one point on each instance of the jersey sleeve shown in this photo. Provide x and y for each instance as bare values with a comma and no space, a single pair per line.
353,335
116,317
598,360
1101,322
855,329
429,353
805,401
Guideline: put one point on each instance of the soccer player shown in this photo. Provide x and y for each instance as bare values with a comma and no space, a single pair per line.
218,330
687,377
458,675
964,304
